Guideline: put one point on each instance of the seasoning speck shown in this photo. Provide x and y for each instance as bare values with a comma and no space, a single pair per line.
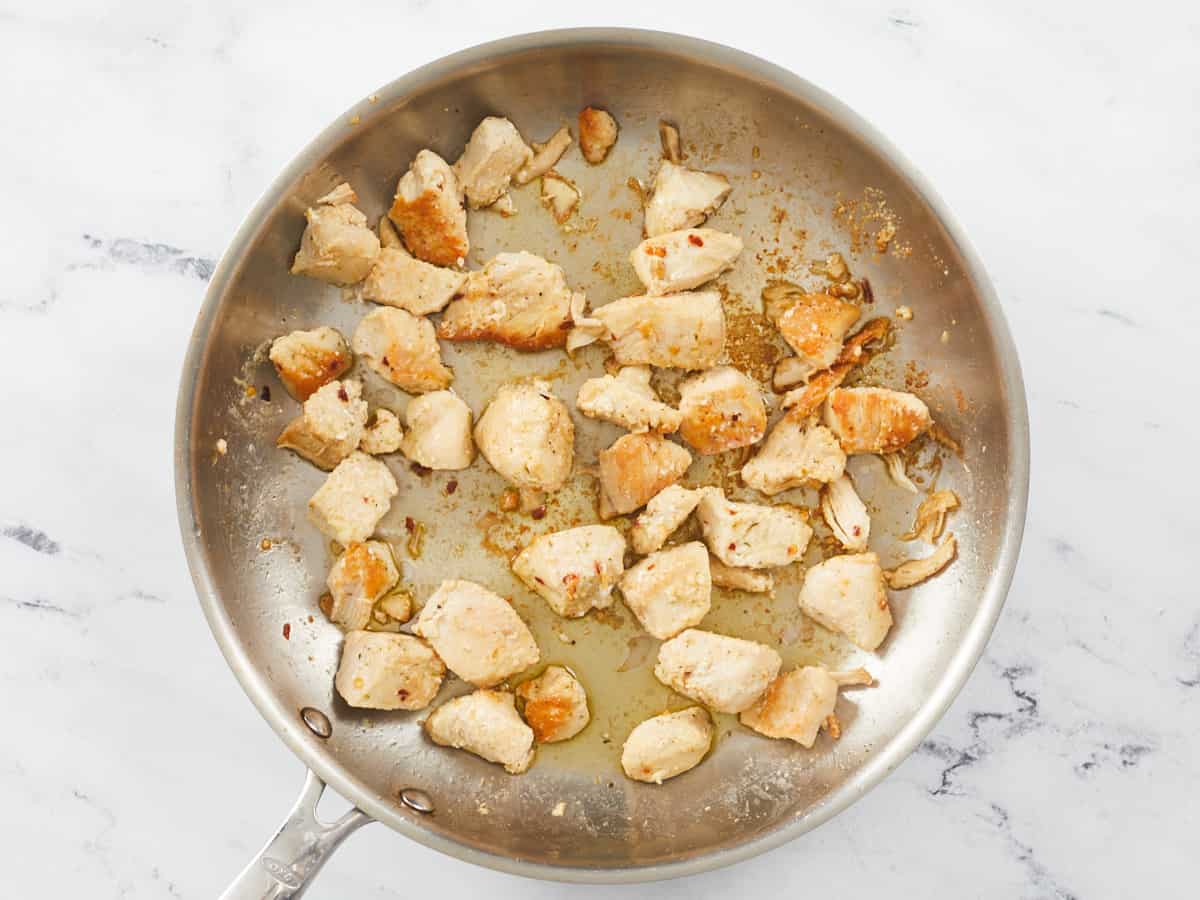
904,312
451,486
265,393
287,631
539,512
222,446
265,544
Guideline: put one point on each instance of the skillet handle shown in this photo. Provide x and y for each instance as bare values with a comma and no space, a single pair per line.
286,866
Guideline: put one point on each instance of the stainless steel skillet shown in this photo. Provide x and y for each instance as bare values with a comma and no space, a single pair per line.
809,177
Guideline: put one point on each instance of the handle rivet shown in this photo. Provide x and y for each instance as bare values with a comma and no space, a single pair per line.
318,723
417,800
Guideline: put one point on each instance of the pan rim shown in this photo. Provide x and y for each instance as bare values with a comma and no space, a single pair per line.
286,723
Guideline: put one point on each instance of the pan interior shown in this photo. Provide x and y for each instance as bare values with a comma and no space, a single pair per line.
804,184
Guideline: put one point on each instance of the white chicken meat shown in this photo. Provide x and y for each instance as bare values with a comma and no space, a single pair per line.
665,512
750,535
402,348
669,590
667,745
796,453
358,580
388,671
526,434
439,431
628,400
330,426
799,703
428,209
635,468
681,331
726,674
682,260
306,361
555,705
722,409
683,198
487,724
875,420
494,154
573,570
337,246
355,496
846,594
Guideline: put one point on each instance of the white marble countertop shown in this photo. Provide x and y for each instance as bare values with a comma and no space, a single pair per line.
1065,138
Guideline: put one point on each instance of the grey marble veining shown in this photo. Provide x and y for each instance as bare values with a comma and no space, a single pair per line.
1064,135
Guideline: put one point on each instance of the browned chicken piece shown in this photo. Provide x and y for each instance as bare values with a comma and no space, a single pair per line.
681,331
804,402
337,246
516,299
798,703
683,198
428,209
795,454
358,580
560,196
355,496
487,724
400,279
476,632
494,154
846,594
545,156
752,535
628,400
331,425
667,745
722,410
738,579
635,468
383,434
726,674
665,512
402,348
815,326
574,570
439,431
845,513
597,134
388,671
526,434
556,705
308,360
669,590
682,260
875,420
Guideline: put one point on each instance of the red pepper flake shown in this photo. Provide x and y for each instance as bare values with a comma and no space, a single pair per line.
732,545
342,395
451,486
384,360
420,469
409,525
402,694
539,512
868,294
695,240
857,530
335,363
567,325
538,579
265,393
792,549
287,631
310,619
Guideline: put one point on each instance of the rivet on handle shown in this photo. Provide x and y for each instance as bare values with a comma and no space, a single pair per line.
417,800
318,723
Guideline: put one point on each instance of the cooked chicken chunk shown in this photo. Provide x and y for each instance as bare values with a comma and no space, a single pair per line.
597,134
355,496
439,431
664,513
628,400
494,154
560,196
726,674
667,745
337,245
804,402
846,594
749,535
428,209
573,570
485,723
789,372
479,637
308,360
516,299
330,425
635,468
555,705
383,434
722,409
814,327
875,420
683,198
799,702
400,279
845,513
669,590
527,435
795,453
544,156
736,579
402,348
387,671
359,578
682,331
682,260
585,329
